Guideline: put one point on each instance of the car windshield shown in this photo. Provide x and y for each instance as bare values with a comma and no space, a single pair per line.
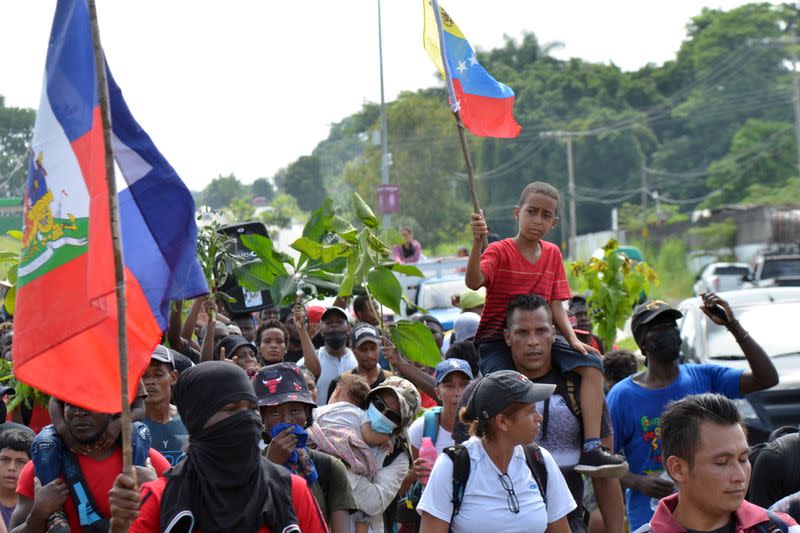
771,325
438,294
776,268
731,271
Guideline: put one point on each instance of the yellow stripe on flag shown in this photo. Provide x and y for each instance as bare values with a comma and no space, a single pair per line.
430,33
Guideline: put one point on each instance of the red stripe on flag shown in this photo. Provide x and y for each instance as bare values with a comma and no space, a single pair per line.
66,345
487,117
90,152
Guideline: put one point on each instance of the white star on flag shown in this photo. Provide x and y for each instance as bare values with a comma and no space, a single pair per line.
473,60
462,66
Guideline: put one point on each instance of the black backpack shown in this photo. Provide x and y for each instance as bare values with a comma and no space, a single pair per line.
460,457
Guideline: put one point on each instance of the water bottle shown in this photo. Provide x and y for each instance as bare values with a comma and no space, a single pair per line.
428,452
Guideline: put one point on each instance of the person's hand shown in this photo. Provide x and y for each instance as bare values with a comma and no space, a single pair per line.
655,486
299,313
478,226
124,500
391,354
455,300
713,306
582,347
210,307
147,472
49,498
281,446
110,436
421,468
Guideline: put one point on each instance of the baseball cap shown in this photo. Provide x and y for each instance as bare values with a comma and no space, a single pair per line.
449,366
363,332
466,326
333,309
281,383
645,313
314,313
470,298
163,355
406,394
500,389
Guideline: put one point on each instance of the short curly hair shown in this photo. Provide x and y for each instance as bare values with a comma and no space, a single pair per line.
272,323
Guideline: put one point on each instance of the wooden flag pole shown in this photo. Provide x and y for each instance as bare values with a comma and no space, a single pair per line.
116,240
455,106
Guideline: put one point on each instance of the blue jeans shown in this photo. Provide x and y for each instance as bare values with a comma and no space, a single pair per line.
48,447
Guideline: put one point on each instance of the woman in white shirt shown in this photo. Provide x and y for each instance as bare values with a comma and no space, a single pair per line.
501,492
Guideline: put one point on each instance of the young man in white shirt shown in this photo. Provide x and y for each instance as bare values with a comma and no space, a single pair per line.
334,358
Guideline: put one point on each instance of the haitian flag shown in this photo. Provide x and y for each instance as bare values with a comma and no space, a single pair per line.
65,340
486,105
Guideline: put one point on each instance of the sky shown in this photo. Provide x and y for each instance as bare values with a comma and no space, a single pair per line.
246,87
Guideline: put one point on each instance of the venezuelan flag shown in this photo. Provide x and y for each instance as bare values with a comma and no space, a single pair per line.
486,105
65,338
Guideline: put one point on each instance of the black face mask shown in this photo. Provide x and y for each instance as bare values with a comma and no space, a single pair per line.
664,345
335,339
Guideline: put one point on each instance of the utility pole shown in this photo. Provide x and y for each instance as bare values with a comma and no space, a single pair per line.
387,217
645,192
796,97
573,220
792,42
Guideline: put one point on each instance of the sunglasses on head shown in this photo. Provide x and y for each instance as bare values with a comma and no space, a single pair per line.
381,406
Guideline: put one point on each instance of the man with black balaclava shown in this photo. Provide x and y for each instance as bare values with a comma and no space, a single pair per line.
637,402
224,484
334,358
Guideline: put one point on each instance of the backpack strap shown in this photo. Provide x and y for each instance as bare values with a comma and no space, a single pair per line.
535,460
431,423
775,524
81,495
460,457
573,392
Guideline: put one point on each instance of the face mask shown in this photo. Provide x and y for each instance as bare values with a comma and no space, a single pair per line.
335,339
379,422
664,345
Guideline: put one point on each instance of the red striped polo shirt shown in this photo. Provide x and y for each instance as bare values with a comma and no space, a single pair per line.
507,273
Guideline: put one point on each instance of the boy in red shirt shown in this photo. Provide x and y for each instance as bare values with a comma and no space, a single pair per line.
527,264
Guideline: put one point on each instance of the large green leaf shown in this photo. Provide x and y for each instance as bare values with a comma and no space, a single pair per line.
349,279
408,270
343,229
415,341
364,212
255,276
320,221
10,300
324,253
378,245
385,287
264,250
306,246
283,290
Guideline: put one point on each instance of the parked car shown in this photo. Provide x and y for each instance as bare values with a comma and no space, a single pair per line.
780,268
444,278
770,316
722,277
435,296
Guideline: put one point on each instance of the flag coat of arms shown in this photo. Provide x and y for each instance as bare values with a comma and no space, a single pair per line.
65,338
486,105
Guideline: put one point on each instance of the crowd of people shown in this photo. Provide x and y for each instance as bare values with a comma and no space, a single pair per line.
308,418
